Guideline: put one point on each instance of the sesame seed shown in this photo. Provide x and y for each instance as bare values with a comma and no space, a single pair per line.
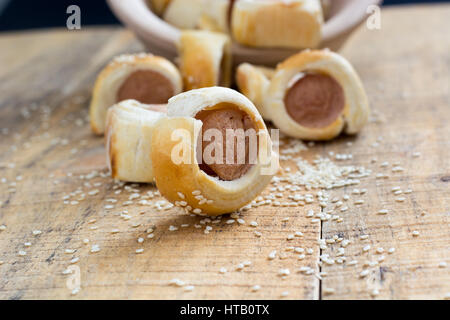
383,211
176,282
74,260
22,253
366,248
364,273
415,233
375,293
189,288
223,270
443,264
256,288
37,232
254,224
138,251
272,255
75,291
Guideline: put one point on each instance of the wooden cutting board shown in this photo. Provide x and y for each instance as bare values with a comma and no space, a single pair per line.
53,179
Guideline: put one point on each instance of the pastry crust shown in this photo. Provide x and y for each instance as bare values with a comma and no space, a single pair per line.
205,59
129,129
283,24
253,82
185,14
356,106
159,6
184,183
215,16
115,73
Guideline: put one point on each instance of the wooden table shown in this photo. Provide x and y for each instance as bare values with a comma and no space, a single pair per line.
53,179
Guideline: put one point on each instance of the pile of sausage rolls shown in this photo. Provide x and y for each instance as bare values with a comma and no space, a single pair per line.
163,120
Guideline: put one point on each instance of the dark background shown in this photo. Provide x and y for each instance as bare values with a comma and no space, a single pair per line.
29,14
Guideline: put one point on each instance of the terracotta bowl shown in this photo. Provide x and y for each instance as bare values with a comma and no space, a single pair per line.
160,37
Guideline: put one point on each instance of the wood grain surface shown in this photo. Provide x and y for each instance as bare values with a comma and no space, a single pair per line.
53,179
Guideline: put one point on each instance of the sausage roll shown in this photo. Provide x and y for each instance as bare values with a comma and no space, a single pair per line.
128,136
315,95
144,77
204,59
284,24
254,82
212,154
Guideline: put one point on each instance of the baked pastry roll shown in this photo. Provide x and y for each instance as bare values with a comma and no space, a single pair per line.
158,6
203,173
143,77
284,24
253,82
315,95
216,16
185,14
204,59
128,136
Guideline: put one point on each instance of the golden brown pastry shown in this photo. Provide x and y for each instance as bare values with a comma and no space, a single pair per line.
190,165
315,95
284,24
128,136
253,82
205,59
159,6
144,77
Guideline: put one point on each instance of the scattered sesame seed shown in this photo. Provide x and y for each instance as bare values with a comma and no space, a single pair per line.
140,250
415,233
443,264
189,288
